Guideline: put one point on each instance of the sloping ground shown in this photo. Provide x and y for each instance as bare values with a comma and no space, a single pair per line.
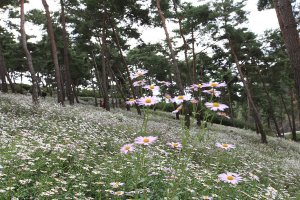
54,152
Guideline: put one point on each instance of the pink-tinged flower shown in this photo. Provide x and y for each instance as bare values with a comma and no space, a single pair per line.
127,148
194,101
165,83
177,109
216,106
152,87
225,146
230,177
196,87
222,114
138,73
131,102
139,83
214,84
145,140
175,145
213,92
147,101
180,99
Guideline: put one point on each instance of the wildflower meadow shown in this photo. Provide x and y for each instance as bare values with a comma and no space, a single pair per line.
83,152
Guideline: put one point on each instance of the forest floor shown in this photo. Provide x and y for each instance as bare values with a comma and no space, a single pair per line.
73,152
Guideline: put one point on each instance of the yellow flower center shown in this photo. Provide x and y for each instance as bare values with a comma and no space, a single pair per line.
216,104
175,145
214,84
168,96
127,148
148,100
152,87
180,97
200,85
230,178
145,140
131,99
225,145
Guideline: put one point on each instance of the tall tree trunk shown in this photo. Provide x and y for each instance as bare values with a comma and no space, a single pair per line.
75,93
54,54
3,66
117,42
175,64
185,45
286,111
62,79
248,93
271,109
268,122
288,27
294,133
35,99
38,80
103,65
169,42
119,87
68,83
4,87
230,103
194,57
95,94
12,85
97,75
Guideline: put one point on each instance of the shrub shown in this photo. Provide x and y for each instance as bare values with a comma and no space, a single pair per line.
87,93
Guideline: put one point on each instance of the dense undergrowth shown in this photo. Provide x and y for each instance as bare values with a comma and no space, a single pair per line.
54,152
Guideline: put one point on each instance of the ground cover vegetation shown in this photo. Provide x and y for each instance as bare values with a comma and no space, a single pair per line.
80,152
154,127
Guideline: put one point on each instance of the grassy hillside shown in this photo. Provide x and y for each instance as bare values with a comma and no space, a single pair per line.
54,152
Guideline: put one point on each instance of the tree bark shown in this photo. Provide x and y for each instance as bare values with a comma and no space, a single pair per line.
119,87
169,42
271,109
4,87
104,63
288,27
185,45
95,94
35,99
69,89
117,42
75,93
286,111
294,133
5,72
175,64
97,74
54,54
194,57
248,93
12,85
